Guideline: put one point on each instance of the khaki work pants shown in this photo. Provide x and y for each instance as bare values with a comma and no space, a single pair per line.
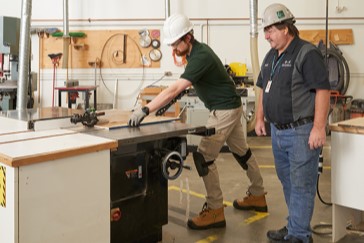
229,129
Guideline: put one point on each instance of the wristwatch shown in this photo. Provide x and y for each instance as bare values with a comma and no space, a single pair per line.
145,109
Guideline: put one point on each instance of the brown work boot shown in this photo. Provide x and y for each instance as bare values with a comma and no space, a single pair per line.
207,219
251,202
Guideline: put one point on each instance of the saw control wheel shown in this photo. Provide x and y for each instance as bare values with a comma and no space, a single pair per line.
172,165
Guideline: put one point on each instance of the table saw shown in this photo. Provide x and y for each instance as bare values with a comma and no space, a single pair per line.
72,183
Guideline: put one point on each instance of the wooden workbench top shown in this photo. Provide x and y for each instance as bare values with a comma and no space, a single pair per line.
355,125
35,147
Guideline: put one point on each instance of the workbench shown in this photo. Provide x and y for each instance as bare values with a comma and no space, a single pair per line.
54,187
347,167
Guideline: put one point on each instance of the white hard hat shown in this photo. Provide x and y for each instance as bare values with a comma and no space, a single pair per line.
176,26
276,13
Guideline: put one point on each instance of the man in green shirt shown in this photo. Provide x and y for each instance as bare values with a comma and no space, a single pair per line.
206,73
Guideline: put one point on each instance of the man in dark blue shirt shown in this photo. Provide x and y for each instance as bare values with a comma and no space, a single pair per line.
294,99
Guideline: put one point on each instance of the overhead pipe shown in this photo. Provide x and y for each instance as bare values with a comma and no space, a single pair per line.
65,19
168,8
24,55
66,36
254,54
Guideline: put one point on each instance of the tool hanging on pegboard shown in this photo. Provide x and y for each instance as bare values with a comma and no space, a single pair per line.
55,57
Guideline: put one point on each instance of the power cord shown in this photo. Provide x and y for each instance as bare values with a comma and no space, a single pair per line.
323,229
106,55
320,170
166,74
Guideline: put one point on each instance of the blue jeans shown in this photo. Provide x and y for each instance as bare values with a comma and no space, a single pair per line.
297,169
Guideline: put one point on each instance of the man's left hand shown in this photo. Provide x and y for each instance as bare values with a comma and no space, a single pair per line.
138,116
317,138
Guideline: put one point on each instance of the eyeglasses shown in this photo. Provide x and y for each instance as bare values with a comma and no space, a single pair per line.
176,43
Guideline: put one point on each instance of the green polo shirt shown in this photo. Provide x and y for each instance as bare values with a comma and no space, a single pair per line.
210,79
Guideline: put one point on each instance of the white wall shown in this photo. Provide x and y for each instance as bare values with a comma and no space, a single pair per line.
224,25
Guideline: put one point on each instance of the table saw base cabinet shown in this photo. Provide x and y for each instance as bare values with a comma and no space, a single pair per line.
139,193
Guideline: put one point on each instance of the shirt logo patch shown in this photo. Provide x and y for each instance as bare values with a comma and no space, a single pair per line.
287,63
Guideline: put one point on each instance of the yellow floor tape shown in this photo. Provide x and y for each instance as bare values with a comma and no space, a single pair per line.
2,186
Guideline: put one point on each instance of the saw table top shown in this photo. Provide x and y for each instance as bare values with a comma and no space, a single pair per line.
147,133
114,126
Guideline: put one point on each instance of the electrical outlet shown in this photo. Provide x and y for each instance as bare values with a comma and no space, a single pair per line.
168,73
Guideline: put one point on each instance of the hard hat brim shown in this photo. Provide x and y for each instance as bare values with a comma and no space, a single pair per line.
170,41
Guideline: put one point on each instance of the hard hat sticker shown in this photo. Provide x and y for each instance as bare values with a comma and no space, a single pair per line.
2,186
280,14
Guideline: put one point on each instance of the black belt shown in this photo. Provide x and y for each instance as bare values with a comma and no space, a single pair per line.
291,125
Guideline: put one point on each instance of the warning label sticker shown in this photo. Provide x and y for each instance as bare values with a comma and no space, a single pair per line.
2,186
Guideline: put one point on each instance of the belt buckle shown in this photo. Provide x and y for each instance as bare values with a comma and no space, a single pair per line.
280,126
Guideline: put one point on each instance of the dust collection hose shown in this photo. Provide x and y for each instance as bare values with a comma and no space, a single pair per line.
254,54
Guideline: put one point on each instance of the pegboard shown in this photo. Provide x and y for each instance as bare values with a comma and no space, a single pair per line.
111,48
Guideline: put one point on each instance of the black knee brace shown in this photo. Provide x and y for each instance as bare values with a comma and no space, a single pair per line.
201,164
242,160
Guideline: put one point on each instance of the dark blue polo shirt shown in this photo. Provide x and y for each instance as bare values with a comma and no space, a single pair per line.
295,75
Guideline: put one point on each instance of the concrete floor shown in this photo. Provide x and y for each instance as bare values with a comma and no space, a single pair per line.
247,226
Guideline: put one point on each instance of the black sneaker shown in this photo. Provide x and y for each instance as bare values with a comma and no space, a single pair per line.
292,240
277,234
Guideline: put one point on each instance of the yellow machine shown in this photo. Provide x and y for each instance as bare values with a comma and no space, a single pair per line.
238,68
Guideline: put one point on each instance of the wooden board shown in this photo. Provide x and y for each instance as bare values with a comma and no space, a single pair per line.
355,125
313,36
110,47
337,36
117,119
342,36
